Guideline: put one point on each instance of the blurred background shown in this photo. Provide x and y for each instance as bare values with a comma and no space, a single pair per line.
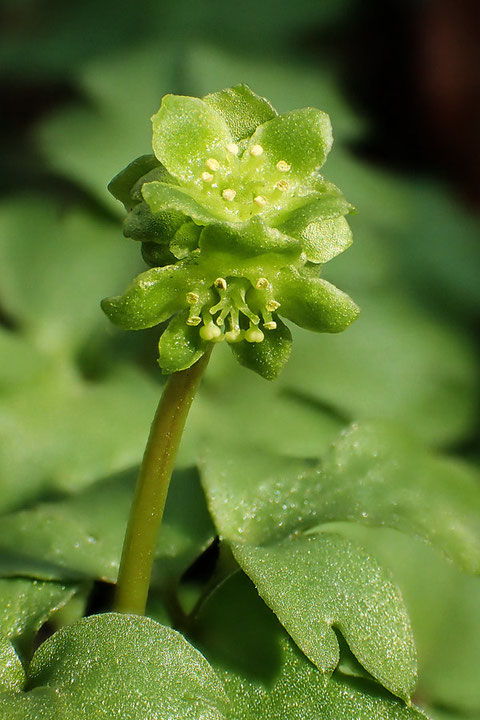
401,82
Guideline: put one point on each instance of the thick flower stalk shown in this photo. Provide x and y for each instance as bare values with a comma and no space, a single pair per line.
236,222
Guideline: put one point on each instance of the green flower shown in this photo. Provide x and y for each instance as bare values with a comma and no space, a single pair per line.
236,221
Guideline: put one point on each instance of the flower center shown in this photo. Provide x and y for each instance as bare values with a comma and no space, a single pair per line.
239,304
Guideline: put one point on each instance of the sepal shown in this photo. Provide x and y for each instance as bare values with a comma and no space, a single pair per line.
180,345
268,357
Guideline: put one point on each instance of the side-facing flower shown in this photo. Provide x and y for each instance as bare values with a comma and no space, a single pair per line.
236,222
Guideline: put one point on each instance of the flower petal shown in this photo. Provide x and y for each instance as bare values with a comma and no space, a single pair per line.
268,357
142,224
151,298
121,185
161,197
180,345
249,239
242,109
187,132
313,303
300,140
326,239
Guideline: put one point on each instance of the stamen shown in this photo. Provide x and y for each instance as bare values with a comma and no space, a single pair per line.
212,164
229,194
193,319
283,166
192,298
272,305
262,283
256,150
271,325
220,283
206,176
282,185
233,148
260,200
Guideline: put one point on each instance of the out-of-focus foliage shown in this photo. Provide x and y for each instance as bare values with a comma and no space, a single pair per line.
76,397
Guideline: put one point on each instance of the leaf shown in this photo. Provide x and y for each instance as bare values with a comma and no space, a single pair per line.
373,475
300,692
98,668
11,670
63,433
397,362
315,582
26,605
54,269
76,539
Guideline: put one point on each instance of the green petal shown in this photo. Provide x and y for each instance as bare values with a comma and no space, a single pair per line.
326,239
301,138
180,345
151,298
248,239
142,224
241,109
186,133
185,240
159,174
121,185
313,208
268,357
157,255
161,197
313,303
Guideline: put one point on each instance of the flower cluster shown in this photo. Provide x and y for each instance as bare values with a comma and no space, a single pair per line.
236,222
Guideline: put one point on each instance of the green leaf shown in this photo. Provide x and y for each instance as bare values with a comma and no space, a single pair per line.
301,138
300,691
313,303
75,539
373,475
99,668
151,298
12,675
55,266
268,357
26,605
317,581
397,362
186,133
121,185
241,109
180,345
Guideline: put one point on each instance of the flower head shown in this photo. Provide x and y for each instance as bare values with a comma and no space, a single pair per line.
236,221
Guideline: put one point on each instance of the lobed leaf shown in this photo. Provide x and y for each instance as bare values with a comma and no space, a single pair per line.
319,581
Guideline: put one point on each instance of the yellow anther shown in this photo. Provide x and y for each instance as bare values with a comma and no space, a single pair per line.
282,185
260,200
206,176
229,194
212,164
262,283
256,150
272,305
283,166
194,320
270,325
192,298
220,283
233,148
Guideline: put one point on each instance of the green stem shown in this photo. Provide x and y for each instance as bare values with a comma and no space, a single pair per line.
152,488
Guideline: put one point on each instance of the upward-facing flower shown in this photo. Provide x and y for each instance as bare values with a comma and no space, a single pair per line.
236,221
